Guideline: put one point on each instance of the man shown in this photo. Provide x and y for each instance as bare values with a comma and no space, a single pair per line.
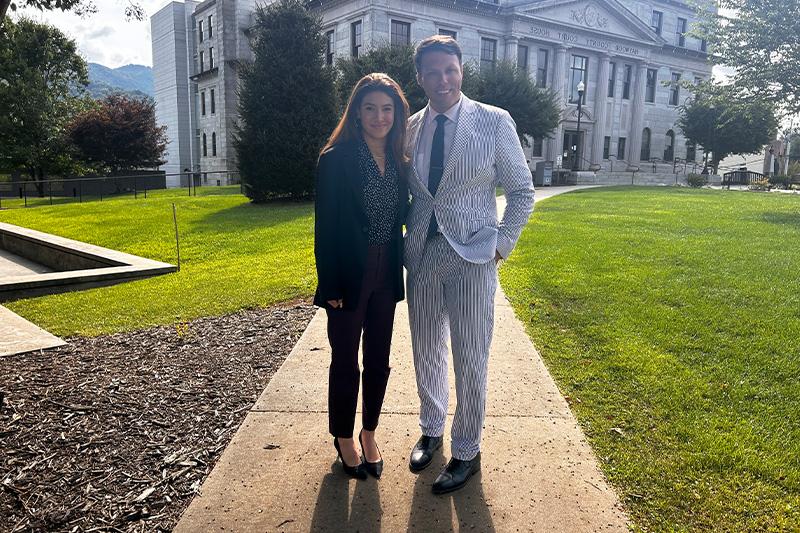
461,151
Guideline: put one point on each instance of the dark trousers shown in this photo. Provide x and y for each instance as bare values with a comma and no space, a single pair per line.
373,316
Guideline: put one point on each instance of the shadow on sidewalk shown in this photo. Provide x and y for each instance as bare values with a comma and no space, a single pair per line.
335,512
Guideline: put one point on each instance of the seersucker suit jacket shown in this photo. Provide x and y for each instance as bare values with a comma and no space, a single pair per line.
485,153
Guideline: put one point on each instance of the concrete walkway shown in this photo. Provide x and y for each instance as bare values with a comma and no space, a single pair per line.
538,473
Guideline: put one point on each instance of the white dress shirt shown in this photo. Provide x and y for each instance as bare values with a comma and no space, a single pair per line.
423,155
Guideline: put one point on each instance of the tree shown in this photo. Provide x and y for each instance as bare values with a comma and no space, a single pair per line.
287,103
133,10
724,122
535,110
762,42
120,133
43,77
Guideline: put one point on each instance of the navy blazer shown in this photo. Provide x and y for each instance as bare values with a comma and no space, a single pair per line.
341,228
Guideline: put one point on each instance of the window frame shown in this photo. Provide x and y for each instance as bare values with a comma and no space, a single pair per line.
680,32
650,88
393,24
612,79
522,59
202,103
675,89
573,85
607,147
210,57
200,34
627,79
621,142
489,62
657,21
202,61
541,70
205,145
213,144
356,37
210,27
537,150
646,149
330,35
213,101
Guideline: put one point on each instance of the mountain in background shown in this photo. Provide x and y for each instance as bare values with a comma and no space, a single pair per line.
135,80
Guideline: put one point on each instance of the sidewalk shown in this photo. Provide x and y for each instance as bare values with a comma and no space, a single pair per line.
538,473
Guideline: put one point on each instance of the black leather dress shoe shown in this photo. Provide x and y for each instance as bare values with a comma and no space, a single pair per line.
456,474
422,454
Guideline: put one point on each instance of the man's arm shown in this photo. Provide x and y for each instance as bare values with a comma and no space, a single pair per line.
515,177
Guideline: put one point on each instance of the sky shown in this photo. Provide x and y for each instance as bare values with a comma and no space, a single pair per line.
107,38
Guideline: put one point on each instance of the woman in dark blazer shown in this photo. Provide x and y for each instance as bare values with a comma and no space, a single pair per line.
361,203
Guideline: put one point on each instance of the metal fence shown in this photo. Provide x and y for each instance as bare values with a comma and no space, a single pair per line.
31,193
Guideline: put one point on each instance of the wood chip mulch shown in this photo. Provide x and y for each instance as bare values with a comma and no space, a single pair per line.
116,433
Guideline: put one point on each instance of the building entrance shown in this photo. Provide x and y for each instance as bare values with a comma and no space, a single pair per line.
573,150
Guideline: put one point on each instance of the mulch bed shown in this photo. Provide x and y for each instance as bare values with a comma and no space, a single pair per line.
116,433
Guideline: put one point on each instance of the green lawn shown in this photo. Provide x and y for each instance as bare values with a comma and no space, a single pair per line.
674,316
234,255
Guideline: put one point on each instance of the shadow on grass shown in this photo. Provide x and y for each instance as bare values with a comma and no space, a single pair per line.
782,218
249,215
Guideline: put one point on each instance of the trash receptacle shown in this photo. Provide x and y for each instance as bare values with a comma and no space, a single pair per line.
544,173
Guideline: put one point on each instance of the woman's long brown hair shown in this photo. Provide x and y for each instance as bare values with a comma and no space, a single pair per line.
349,129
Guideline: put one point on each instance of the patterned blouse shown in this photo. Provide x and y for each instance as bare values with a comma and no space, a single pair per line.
380,195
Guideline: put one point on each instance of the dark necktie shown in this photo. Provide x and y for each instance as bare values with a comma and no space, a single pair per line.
436,168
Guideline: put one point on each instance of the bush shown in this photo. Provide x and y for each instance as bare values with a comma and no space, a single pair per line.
697,180
759,185
780,181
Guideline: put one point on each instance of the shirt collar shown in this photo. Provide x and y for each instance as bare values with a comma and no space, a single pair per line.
451,113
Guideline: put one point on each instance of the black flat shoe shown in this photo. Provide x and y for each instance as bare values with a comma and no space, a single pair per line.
422,454
456,474
374,469
357,471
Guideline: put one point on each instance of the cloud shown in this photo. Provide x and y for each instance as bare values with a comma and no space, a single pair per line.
105,31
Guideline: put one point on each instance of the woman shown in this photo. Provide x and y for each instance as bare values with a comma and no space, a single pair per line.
360,207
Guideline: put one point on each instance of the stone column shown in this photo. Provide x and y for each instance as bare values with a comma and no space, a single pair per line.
600,97
512,44
559,82
637,114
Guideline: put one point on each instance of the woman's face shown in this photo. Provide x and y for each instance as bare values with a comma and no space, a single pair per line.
376,114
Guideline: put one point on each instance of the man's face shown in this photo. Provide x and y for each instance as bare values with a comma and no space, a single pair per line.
440,76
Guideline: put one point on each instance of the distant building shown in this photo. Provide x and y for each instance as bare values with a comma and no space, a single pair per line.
630,54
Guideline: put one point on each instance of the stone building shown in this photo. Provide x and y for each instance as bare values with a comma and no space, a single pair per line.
630,54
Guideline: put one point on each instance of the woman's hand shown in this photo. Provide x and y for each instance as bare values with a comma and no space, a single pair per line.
335,303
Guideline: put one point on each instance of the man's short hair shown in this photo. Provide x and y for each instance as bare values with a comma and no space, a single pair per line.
436,43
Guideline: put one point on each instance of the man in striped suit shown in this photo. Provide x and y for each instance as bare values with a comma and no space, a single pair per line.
461,151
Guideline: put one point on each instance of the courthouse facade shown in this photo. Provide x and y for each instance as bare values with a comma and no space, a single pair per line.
631,56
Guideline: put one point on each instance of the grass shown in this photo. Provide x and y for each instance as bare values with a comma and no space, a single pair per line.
674,316
234,255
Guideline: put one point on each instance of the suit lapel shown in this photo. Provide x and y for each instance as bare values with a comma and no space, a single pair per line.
464,132
416,133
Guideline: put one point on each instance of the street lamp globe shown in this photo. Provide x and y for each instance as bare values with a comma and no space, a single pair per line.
581,86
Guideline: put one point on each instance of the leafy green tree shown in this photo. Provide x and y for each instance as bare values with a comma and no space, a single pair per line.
40,91
724,122
120,133
761,40
133,10
287,103
535,110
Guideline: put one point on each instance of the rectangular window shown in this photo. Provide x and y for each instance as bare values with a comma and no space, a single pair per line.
650,92
214,143
449,33
703,45
541,68
210,28
202,61
621,148
488,53
401,33
612,78
606,147
578,70
522,57
202,103
698,80
200,30
205,146
329,48
538,147
657,21
675,89
213,102
355,38
211,58
680,33
626,82
691,151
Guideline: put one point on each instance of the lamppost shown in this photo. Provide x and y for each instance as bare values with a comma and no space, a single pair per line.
771,161
576,164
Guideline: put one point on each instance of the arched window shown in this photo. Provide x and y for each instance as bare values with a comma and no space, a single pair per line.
645,154
205,146
214,143
691,151
669,146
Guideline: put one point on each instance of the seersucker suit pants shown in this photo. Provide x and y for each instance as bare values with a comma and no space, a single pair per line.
447,294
